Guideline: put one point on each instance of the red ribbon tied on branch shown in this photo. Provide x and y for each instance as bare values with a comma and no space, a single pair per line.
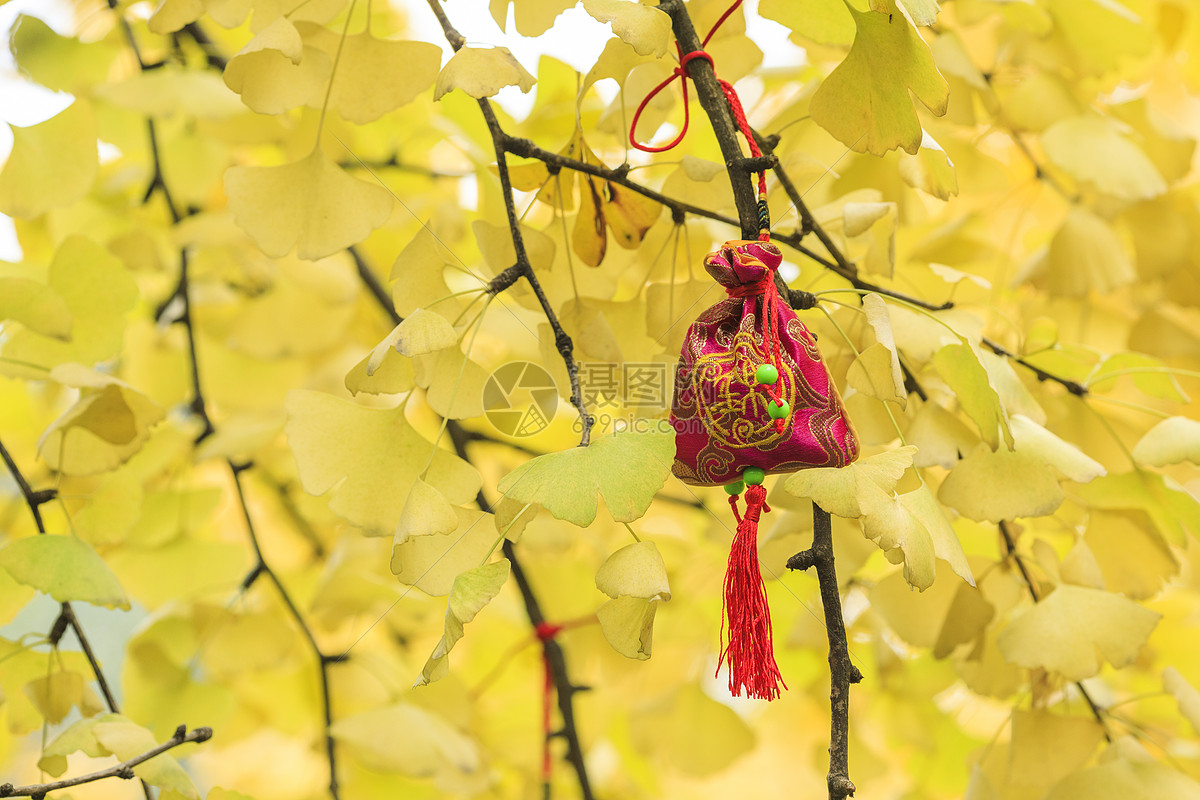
735,106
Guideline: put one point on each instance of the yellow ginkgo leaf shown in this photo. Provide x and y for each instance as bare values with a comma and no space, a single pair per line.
54,695
645,28
918,12
1130,556
876,372
171,91
629,214
482,72
275,71
409,740
418,270
60,63
52,164
1169,442
589,236
63,567
394,374
357,93
627,469
311,205
423,331
1149,375
1069,632
815,20
368,458
454,383
856,489
171,15
1000,485
864,103
79,737
1086,255
433,561
1065,457
1102,33
627,622
530,18
1047,747
1091,151
930,169
636,570
1126,779
677,729
36,306
1185,694
426,512
126,740
100,431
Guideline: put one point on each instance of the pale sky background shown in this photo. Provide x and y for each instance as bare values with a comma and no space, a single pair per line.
575,39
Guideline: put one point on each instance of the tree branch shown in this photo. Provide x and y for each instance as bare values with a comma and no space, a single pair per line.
123,770
842,671
215,58
374,286
562,341
556,658
564,689
324,660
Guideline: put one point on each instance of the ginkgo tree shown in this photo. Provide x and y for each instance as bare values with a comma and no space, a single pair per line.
270,470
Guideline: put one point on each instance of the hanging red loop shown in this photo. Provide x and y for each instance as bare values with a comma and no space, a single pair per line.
735,105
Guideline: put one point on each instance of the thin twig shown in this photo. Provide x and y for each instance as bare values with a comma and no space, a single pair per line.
562,341
66,616
374,286
1010,549
324,660
393,162
555,656
212,54
123,770
1075,388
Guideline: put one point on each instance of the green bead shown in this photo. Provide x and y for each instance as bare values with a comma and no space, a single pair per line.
734,488
766,374
778,410
753,475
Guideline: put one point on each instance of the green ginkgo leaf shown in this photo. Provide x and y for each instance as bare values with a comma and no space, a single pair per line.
65,568
472,590
626,469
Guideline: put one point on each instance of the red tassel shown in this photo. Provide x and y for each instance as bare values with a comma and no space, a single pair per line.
746,643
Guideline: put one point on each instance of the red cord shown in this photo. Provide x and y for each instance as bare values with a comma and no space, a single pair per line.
766,287
546,631
735,104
